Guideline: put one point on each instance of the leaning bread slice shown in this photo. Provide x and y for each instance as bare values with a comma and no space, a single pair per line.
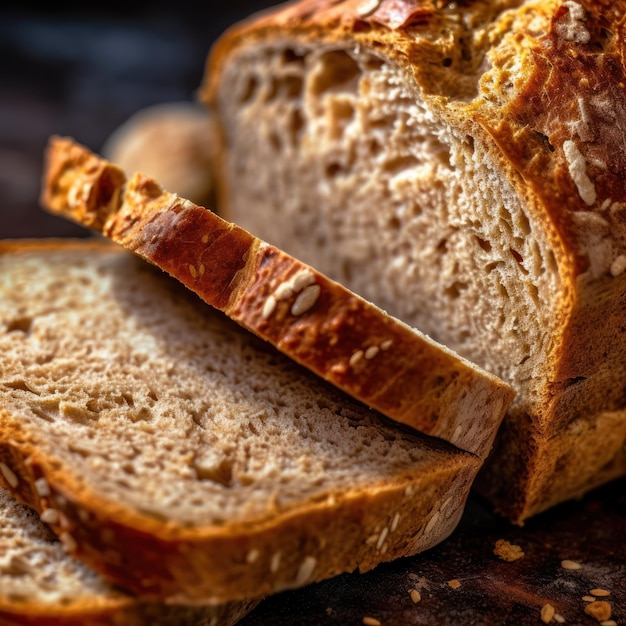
41,585
317,322
184,458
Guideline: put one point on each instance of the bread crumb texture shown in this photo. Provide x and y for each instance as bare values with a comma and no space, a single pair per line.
507,551
166,405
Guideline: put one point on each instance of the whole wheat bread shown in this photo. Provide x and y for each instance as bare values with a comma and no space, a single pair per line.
358,347
40,584
463,166
184,458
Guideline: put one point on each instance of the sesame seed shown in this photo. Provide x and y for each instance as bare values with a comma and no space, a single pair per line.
567,564
371,540
381,538
283,291
415,596
367,7
547,613
559,618
275,562
269,306
302,279
394,521
9,475
385,345
608,622
42,487
201,269
205,239
68,541
600,592
193,271
50,516
589,599
306,570
305,300
432,522
355,358
371,621
371,352
252,556
618,266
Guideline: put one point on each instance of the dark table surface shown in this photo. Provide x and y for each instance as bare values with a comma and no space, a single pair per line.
82,73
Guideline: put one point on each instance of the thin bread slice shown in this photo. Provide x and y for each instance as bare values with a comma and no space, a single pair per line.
184,458
317,322
41,584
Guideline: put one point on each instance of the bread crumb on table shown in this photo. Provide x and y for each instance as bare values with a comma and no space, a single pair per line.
454,583
415,596
600,610
567,564
371,621
600,593
507,551
547,613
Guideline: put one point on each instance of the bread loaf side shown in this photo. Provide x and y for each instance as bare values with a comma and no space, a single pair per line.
462,166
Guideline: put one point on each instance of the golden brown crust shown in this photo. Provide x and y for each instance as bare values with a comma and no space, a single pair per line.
543,85
315,321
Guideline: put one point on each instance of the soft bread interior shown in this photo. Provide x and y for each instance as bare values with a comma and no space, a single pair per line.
338,158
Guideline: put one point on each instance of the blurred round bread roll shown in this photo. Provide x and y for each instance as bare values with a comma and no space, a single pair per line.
172,143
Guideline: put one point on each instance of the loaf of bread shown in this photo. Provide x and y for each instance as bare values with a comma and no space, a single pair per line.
462,165
353,344
41,585
182,457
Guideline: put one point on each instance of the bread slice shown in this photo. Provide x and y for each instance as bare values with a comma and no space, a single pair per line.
40,584
317,322
184,458
461,165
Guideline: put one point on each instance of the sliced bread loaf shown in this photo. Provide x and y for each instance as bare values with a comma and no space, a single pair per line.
353,344
462,165
41,585
184,458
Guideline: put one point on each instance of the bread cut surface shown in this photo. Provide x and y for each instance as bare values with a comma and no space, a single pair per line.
462,166
40,583
182,457
358,347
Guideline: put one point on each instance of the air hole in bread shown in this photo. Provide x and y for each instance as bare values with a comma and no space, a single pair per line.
20,324
334,71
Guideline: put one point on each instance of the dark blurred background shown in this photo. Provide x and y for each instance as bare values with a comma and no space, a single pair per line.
82,71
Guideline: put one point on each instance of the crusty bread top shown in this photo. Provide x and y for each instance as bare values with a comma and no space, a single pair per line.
183,457
317,322
543,81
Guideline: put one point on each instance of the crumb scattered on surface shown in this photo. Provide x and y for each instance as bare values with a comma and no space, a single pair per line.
589,599
567,564
600,593
608,622
600,610
547,613
415,596
454,583
371,621
507,551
